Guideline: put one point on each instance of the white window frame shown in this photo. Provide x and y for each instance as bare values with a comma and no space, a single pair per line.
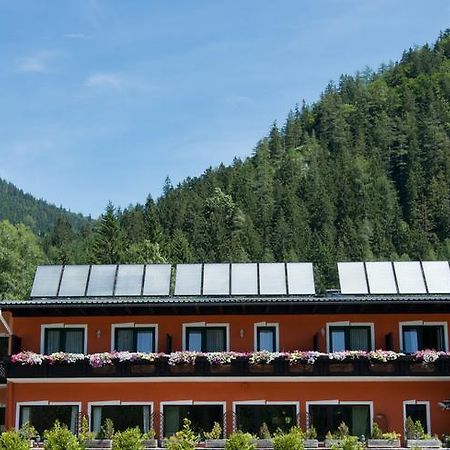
351,324
264,403
115,326
42,403
192,403
340,402
266,324
427,410
186,326
47,326
120,403
422,323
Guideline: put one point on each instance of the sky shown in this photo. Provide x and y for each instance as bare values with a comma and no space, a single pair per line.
101,100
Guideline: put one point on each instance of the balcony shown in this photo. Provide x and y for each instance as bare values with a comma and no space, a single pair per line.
239,366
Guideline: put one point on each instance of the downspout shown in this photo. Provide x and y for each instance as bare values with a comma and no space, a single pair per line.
5,323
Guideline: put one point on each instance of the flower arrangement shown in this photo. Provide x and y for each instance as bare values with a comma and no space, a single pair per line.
298,356
179,358
383,355
347,354
27,358
429,356
263,357
62,357
222,358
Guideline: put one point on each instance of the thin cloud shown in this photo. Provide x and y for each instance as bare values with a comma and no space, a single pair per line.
77,36
37,63
104,80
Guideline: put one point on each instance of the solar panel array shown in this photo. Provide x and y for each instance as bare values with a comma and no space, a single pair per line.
399,277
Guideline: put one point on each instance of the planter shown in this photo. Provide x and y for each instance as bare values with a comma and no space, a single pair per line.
428,443
344,367
381,368
142,368
330,442
261,368
98,443
150,443
311,443
263,443
383,443
215,443
108,370
76,369
220,368
182,369
301,368
422,368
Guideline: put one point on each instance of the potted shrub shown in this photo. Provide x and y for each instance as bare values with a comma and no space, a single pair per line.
185,439
104,436
335,439
14,440
60,438
416,436
130,439
288,441
28,432
264,439
240,441
311,438
149,439
380,439
213,437
348,443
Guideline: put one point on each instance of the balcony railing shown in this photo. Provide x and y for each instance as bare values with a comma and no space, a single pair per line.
323,366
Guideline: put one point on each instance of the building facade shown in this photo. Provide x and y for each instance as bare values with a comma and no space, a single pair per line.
364,356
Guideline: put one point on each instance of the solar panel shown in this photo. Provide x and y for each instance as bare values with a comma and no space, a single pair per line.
101,280
244,279
188,279
381,277
300,279
216,279
129,279
272,279
409,277
437,275
46,281
352,278
157,279
73,282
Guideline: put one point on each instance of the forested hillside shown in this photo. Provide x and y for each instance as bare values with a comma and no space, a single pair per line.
19,207
362,174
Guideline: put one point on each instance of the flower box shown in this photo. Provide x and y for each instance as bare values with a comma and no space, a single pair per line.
422,443
64,369
311,443
98,443
301,368
182,368
142,368
215,443
383,443
381,367
106,370
219,368
261,368
330,442
341,367
263,443
420,367
150,443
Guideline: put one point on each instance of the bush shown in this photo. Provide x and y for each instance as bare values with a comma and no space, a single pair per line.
288,441
349,443
240,441
28,431
185,439
60,438
130,439
414,430
264,432
311,433
215,433
106,430
13,440
85,434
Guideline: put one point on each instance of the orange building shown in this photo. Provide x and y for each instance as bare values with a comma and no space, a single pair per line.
377,350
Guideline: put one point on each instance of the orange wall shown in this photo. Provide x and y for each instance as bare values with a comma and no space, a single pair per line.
296,331
387,396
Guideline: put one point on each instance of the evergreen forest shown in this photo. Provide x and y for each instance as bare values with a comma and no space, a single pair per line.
361,174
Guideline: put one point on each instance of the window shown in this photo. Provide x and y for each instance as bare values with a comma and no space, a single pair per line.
42,417
250,418
123,416
70,340
422,337
2,419
266,338
326,418
137,339
202,417
418,412
351,337
4,341
206,339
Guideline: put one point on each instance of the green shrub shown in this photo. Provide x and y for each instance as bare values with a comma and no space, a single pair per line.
185,439
376,432
240,441
60,438
288,441
13,440
215,433
348,443
130,439
84,434
264,432
311,433
106,430
150,434
414,430
28,431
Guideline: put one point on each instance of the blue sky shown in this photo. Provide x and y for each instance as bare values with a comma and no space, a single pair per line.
101,100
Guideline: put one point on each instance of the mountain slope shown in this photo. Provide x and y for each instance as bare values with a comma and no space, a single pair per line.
17,206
